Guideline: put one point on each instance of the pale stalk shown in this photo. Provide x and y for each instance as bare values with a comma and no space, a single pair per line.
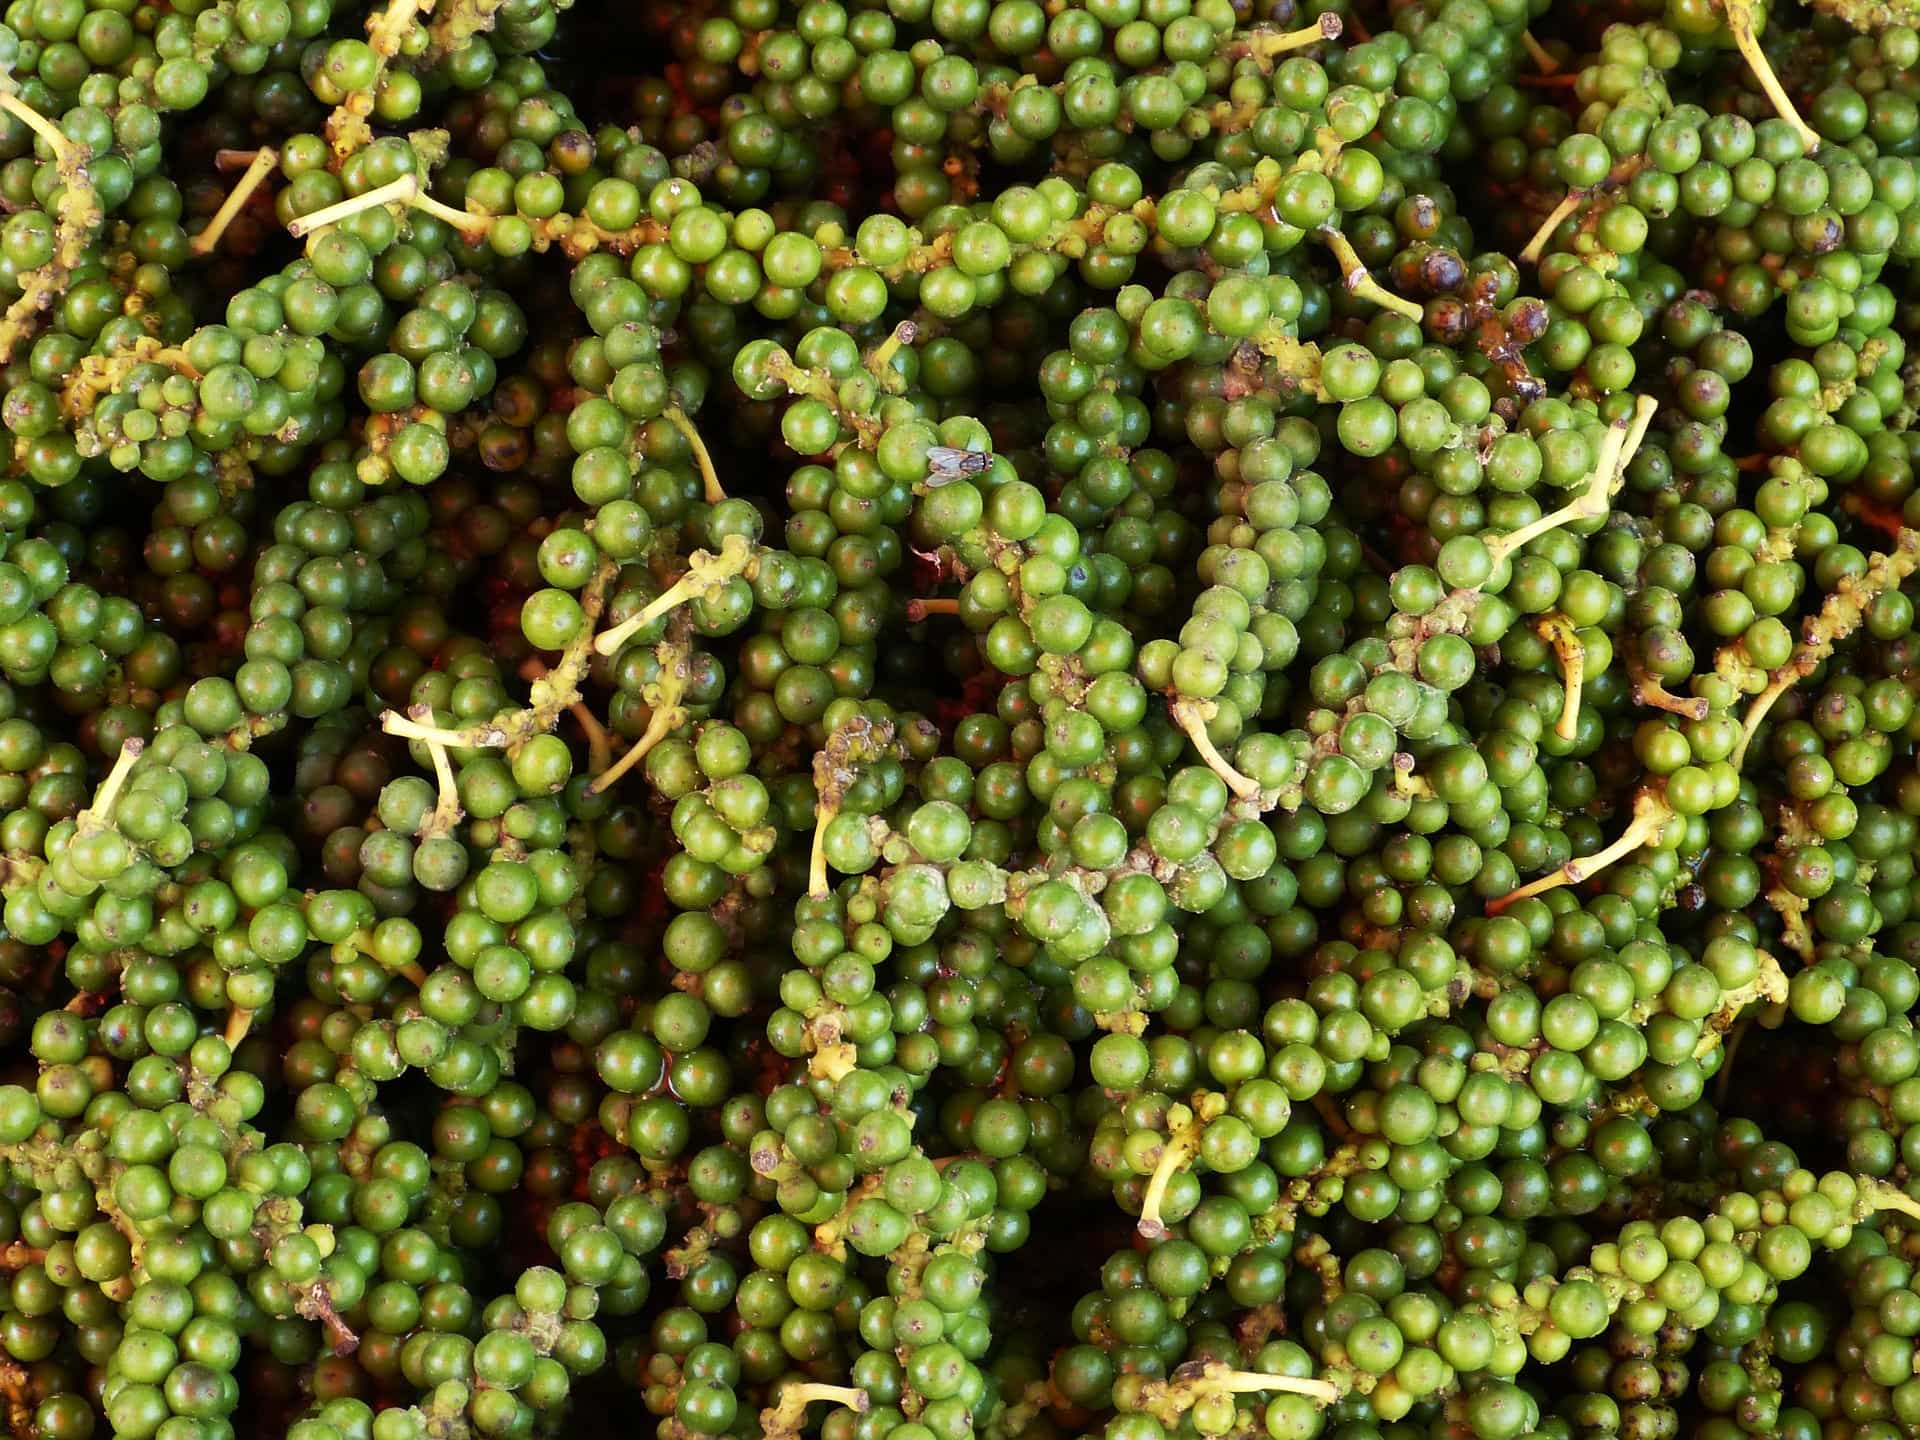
99,815
667,717
1175,1154
818,887
239,1022
257,170
1650,816
1537,53
920,609
1254,1382
845,1395
599,743
709,477
1559,632
1616,450
786,1419
1537,245
403,189
662,723
1360,283
1582,507
1647,690
1192,716
1266,44
408,190
57,141
880,362
446,806
413,727
1740,26
706,571
464,220
1881,1195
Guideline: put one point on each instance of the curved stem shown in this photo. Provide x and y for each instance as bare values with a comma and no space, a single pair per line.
1650,815
404,188
706,571
662,723
64,150
1537,53
415,727
818,886
1578,508
446,806
261,166
1558,631
847,1395
464,220
1266,44
1173,1157
880,362
1884,1195
1192,716
1778,684
1648,690
99,815
1255,1382
1360,282
677,418
1537,245
599,743
1622,440
1740,26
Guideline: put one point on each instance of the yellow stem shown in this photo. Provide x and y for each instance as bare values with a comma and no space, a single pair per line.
1558,631
1647,690
1192,716
99,815
599,743
1883,1195
707,572
846,1395
446,806
1173,1155
1645,407
920,609
1254,1382
1362,284
1650,815
415,727
239,1022
880,362
57,141
1778,684
1591,503
677,418
1266,44
659,725
1537,52
824,812
459,219
1740,26
261,166
1536,247
403,189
